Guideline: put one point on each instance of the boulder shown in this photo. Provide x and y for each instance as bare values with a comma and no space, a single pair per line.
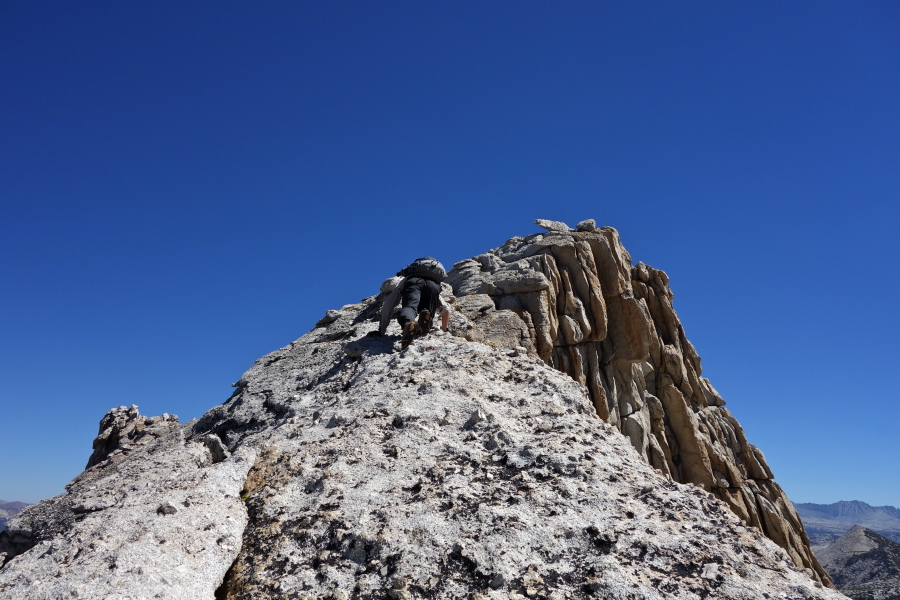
556,226
586,225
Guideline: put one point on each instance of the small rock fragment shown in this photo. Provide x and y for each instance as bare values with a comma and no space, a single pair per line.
388,285
552,225
522,458
587,225
166,509
710,570
475,418
217,449
498,581
330,317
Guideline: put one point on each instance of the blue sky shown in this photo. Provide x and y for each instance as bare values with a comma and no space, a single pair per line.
186,186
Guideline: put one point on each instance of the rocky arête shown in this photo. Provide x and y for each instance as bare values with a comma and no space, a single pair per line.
471,463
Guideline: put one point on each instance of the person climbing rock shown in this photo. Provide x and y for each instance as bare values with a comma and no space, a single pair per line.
420,295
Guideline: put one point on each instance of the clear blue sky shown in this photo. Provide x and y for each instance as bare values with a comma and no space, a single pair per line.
186,186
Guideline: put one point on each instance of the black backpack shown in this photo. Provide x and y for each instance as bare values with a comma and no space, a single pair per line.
426,268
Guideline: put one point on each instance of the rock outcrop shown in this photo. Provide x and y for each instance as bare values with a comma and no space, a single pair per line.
585,309
863,564
123,430
8,510
457,468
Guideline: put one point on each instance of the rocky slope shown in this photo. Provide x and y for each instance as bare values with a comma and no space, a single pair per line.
586,310
864,565
825,523
8,510
343,468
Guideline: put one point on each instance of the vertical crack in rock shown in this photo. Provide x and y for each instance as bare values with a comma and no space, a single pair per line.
163,516
611,326
264,468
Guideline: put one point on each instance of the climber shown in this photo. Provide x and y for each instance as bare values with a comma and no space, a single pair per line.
419,294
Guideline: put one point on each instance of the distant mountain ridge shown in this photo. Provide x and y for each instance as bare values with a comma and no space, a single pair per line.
850,510
824,523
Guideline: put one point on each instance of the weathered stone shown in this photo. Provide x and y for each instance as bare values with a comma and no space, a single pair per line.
511,281
502,329
629,328
571,331
586,225
465,277
331,316
388,285
593,293
545,323
552,225
713,398
164,522
489,262
474,306
124,430
595,296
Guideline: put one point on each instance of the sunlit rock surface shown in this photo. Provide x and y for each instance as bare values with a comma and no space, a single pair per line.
591,313
465,465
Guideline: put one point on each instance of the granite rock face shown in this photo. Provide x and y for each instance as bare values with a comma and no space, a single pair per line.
123,430
589,312
163,521
863,564
465,466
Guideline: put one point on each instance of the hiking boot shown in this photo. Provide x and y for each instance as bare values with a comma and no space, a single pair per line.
424,321
410,329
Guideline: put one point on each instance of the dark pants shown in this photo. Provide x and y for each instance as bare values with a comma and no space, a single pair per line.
417,295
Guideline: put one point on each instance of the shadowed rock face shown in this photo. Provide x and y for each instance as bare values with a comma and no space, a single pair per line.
587,311
342,467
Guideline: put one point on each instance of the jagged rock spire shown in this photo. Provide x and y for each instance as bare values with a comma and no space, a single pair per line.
585,309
